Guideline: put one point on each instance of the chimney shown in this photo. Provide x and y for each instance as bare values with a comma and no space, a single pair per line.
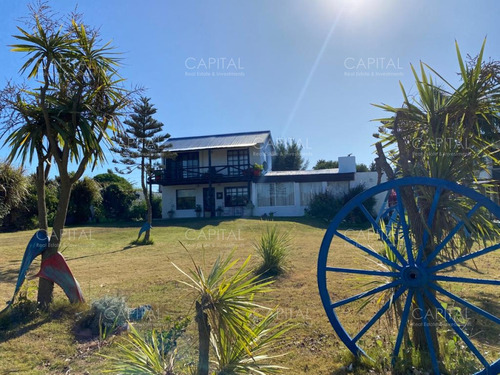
347,164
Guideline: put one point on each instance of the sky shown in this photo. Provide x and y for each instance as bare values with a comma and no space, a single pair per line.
307,70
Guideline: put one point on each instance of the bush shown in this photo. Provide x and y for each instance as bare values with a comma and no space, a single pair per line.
105,315
325,206
156,207
117,196
116,200
273,247
85,195
138,211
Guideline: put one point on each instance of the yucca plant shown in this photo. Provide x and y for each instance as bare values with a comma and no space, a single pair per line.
224,304
143,354
447,132
273,247
237,355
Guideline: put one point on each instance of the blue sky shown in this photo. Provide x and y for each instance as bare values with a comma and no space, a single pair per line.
304,69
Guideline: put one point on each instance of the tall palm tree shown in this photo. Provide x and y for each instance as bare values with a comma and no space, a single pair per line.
75,104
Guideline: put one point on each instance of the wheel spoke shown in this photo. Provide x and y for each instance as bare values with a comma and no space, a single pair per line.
450,235
465,280
465,258
402,326
406,230
480,311
457,329
377,316
428,337
382,235
368,251
362,272
365,294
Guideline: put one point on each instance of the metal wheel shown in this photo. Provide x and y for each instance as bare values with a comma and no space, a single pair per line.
372,304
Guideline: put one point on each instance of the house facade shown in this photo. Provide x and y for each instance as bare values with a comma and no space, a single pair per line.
231,175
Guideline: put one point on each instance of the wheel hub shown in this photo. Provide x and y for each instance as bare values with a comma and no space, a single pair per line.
414,276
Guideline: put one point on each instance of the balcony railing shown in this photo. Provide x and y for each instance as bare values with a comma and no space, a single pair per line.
203,175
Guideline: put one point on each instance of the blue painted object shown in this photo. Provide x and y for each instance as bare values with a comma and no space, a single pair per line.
145,227
36,246
409,274
139,312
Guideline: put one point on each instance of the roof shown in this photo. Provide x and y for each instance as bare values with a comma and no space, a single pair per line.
231,140
306,176
303,173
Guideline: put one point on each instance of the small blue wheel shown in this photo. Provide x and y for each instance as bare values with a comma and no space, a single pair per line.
394,274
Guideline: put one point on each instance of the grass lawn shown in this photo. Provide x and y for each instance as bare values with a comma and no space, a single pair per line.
105,263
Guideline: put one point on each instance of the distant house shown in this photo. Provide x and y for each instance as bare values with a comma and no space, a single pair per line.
231,175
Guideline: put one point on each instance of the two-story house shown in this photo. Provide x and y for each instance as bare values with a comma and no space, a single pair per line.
231,175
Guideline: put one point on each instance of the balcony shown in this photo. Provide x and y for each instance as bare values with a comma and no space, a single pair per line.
204,175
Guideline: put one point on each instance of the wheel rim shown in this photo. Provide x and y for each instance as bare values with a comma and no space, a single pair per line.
409,275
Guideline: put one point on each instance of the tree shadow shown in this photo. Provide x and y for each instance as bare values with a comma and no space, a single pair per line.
8,275
125,248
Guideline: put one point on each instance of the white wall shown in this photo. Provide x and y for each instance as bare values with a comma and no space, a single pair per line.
169,197
369,179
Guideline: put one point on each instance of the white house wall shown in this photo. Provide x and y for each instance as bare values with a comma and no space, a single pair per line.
169,196
369,179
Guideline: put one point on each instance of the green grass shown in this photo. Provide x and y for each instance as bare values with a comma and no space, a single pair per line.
105,263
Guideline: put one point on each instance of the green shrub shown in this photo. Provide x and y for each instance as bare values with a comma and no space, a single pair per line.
105,315
85,194
156,207
325,206
138,211
273,247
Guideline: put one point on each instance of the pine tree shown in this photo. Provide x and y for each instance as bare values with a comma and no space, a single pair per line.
139,145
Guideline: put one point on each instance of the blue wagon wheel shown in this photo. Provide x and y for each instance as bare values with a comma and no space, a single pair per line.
393,273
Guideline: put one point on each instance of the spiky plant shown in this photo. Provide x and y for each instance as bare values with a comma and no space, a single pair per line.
224,304
237,355
273,247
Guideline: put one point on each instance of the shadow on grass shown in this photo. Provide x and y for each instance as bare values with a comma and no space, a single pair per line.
20,319
8,275
128,247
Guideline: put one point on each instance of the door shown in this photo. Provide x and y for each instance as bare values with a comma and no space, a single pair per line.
209,201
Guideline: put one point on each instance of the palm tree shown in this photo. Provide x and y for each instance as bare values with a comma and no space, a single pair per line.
443,132
73,108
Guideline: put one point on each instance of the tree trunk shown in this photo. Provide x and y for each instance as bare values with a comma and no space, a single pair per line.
40,193
46,287
149,217
203,340
417,228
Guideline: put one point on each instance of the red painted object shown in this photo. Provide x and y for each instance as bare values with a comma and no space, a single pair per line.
56,269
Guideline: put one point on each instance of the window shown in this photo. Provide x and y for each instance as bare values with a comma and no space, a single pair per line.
309,190
238,161
186,199
189,163
236,196
275,194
